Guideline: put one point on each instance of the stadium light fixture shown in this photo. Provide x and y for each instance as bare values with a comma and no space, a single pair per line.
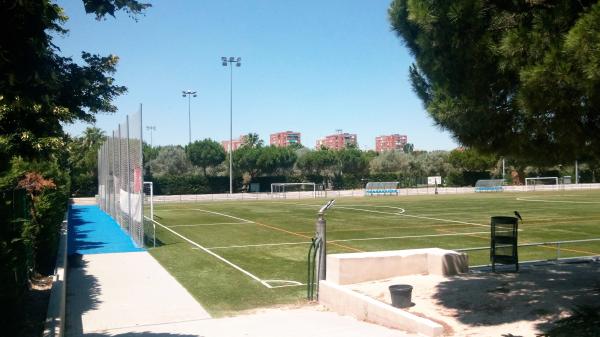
229,62
151,128
189,94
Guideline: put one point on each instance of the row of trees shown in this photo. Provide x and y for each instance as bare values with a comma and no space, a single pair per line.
348,168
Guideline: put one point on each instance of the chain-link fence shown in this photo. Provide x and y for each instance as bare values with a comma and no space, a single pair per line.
120,180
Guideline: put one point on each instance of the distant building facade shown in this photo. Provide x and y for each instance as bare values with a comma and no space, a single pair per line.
337,141
285,138
235,144
390,142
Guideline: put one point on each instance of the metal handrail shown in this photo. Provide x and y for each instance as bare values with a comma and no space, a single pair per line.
530,244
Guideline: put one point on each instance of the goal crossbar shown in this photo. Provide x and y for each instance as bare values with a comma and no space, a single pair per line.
538,182
282,187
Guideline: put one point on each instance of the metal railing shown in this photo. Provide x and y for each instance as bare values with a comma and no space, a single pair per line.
549,244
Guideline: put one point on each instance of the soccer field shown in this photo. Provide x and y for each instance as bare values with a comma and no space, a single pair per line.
238,255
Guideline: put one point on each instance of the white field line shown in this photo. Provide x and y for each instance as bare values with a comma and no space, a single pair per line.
286,283
206,211
400,213
213,254
559,201
416,216
263,245
212,224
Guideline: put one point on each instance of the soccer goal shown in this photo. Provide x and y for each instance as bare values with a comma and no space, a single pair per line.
489,185
148,201
284,190
381,188
541,183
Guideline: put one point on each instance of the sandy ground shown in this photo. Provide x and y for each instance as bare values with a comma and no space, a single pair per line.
497,304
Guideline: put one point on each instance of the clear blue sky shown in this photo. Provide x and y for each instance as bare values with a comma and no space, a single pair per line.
308,66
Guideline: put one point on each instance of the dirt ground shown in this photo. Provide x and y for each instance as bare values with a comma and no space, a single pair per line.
498,304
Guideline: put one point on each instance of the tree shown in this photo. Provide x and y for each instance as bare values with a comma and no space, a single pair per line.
515,78
318,164
206,153
252,140
41,90
471,160
245,159
83,156
274,159
408,148
171,160
390,162
352,161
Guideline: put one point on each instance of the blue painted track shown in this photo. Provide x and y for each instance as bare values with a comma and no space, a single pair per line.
91,231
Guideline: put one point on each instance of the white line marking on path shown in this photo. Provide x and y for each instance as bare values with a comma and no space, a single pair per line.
213,254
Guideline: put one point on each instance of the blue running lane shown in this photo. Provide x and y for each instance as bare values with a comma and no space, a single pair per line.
91,231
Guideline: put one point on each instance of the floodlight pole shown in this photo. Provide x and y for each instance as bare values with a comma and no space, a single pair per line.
151,128
229,61
189,94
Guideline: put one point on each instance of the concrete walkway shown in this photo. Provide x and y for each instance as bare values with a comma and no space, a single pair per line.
115,289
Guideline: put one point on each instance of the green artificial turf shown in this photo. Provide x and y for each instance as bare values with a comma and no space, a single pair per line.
270,239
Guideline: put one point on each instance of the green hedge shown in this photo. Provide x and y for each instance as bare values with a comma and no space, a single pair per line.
26,245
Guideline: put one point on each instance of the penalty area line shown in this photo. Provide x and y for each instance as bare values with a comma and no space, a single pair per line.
213,224
247,273
414,216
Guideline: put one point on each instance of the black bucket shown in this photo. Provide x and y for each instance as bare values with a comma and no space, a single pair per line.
401,295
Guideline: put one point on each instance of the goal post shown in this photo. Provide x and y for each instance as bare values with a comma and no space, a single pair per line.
541,183
282,189
489,185
148,201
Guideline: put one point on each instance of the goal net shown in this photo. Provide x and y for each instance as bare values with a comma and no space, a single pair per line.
299,190
381,188
541,183
489,185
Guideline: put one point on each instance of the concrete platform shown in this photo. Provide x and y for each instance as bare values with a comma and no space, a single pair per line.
344,270
124,290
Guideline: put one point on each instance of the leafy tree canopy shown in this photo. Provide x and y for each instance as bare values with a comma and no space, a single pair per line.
471,160
171,160
206,153
517,78
252,140
41,90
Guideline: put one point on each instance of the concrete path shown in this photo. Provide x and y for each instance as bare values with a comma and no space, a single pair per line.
304,322
120,290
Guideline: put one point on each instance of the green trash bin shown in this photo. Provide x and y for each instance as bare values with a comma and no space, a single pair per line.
503,249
